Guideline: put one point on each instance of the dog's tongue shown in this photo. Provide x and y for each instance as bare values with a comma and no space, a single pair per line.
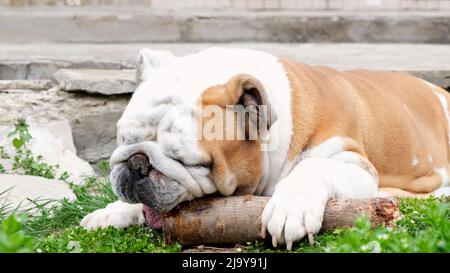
152,218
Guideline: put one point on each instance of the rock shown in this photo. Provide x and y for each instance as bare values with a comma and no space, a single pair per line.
46,106
95,134
53,104
54,143
62,130
20,91
105,82
18,190
25,84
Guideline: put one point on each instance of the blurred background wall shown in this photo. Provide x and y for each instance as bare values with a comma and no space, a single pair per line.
281,21
254,4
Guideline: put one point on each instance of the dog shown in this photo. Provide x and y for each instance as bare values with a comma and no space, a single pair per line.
309,133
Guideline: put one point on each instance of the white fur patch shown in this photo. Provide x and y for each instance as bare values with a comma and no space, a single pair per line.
414,161
444,105
327,148
444,175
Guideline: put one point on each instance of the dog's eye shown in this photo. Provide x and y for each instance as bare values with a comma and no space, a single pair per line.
191,165
179,160
206,165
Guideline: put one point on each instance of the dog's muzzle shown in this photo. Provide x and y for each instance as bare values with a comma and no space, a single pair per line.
138,182
141,173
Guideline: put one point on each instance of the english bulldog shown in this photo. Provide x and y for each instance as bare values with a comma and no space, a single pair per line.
309,133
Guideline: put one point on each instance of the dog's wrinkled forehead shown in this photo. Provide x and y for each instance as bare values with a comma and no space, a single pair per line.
148,122
170,123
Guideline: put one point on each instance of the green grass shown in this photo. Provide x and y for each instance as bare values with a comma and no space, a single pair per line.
133,239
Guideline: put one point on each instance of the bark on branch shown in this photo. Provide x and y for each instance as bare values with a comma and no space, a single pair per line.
226,220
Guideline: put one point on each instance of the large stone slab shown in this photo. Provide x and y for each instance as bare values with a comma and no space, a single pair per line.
18,190
45,107
49,105
37,67
54,143
105,82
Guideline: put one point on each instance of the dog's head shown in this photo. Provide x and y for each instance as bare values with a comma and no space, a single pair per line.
195,126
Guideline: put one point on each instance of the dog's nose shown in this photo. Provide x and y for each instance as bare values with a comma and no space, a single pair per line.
140,164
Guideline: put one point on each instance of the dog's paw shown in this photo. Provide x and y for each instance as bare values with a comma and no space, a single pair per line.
117,214
290,215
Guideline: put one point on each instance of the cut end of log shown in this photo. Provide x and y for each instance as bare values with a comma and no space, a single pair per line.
387,211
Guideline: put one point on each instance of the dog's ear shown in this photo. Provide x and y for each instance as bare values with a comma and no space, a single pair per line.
247,91
148,60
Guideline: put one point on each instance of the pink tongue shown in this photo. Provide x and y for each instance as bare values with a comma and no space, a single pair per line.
153,219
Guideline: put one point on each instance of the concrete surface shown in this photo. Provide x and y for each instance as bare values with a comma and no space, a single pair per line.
136,24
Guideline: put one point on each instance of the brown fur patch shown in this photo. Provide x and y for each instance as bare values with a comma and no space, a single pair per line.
236,164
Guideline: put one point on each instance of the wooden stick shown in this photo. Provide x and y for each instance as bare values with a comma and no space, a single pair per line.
227,220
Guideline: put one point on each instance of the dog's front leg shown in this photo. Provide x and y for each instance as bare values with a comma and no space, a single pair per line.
297,205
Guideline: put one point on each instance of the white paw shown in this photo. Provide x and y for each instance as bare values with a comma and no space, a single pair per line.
117,214
290,215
